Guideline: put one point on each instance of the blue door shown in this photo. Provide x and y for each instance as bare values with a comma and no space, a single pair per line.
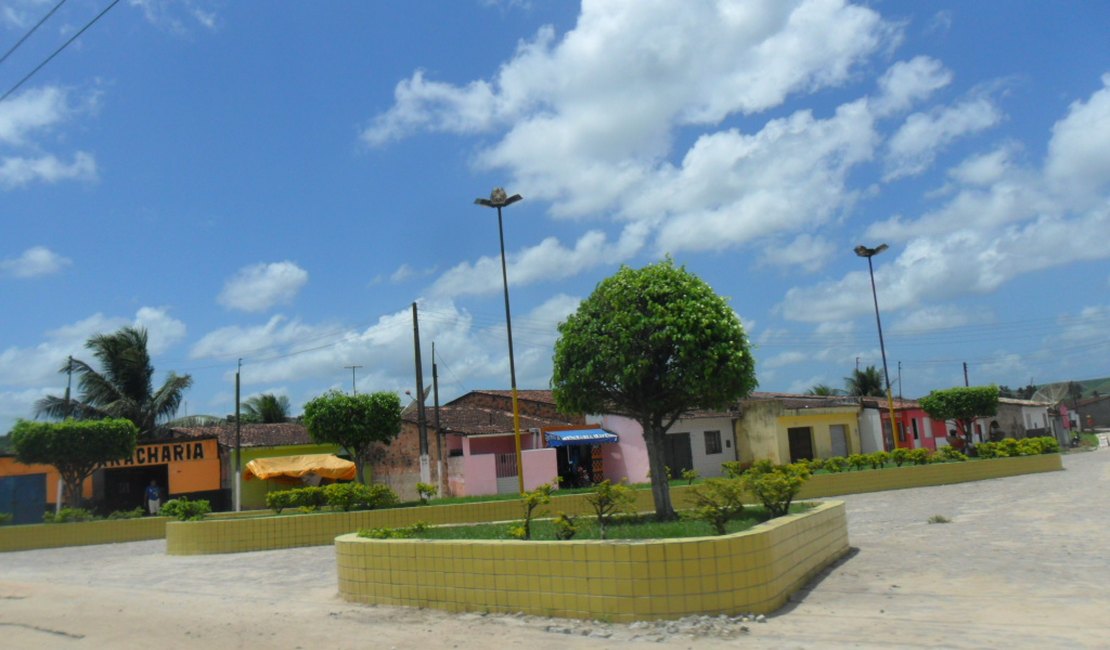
24,497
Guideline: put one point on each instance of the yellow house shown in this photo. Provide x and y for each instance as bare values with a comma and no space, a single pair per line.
784,428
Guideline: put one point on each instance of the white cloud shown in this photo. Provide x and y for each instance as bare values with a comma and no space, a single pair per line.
35,261
31,111
907,82
177,15
785,359
261,286
16,171
163,331
806,252
912,149
1077,154
936,317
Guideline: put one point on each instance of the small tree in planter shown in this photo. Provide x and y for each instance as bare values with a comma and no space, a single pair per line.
775,485
354,422
607,500
717,501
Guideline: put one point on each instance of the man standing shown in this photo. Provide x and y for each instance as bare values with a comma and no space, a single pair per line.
153,497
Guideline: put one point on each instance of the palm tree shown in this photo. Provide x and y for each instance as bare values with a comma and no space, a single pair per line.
865,383
266,408
824,390
123,388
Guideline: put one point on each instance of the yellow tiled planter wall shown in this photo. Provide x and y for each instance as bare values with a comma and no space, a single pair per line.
857,482
22,538
236,535
754,571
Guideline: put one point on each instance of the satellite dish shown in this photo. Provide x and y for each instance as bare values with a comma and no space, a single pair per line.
1051,393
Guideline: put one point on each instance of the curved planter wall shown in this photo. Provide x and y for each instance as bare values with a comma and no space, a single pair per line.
753,571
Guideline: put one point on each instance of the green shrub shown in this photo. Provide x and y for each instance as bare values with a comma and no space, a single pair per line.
127,514
815,464
279,500
775,486
356,496
878,459
607,500
716,501
565,527
836,464
5,518
404,532
532,500
921,456
183,509
900,456
1008,447
690,475
733,468
309,498
950,453
858,461
426,491
987,450
68,516
1049,445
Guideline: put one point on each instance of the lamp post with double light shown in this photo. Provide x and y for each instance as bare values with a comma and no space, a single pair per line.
499,199
864,251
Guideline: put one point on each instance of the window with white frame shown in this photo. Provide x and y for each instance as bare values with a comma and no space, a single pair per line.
712,442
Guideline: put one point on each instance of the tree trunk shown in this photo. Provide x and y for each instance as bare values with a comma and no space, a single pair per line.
73,492
359,468
660,482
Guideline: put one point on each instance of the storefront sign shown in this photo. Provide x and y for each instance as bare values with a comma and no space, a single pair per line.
169,452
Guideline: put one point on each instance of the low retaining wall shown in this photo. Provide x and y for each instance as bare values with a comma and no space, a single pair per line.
31,536
858,482
753,571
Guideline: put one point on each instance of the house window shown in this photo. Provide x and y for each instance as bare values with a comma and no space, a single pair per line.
712,442
913,423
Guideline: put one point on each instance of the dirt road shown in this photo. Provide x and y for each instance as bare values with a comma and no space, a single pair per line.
1022,564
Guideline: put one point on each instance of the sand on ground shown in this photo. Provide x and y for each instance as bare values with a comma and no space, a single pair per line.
1022,564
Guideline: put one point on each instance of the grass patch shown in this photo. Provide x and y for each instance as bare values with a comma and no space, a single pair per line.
939,519
642,526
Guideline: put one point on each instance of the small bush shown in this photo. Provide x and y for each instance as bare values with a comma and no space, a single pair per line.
279,500
309,498
5,518
921,456
1008,447
878,459
565,527
733,469
127,514
900,456
69,516
356,496
183,509
716,501
607,500
858,461
690,475
532,500
815,464
404,532
950,453
426,491
836,464
775,486
939,519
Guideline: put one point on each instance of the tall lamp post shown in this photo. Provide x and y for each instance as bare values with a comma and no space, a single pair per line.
864,251
499,199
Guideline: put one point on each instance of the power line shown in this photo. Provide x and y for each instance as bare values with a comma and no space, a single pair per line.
58,51
31,31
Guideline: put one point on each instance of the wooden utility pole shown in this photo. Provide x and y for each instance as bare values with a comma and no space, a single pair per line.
425,463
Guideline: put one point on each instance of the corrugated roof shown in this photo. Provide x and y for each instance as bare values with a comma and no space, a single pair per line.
252,435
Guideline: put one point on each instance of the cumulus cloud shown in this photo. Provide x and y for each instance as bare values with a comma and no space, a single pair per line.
24,119
1077,154
34,262
806,252
913,147
907,82
261,286
163,331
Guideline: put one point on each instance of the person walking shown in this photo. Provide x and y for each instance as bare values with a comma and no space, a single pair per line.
153,497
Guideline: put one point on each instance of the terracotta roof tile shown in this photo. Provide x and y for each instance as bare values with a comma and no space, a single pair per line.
470,420
252,435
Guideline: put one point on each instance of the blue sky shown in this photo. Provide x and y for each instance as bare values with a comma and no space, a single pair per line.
279,182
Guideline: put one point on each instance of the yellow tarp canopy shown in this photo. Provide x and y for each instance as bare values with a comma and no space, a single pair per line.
324,465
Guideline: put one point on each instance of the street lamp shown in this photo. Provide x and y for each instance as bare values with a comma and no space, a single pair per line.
499,199
864,251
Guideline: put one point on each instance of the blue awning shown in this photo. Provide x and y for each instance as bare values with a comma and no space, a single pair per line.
567,437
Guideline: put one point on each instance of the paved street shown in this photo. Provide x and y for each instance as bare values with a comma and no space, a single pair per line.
1022,564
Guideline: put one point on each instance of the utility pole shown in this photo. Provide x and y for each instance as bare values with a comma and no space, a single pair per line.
69,386
857,364
425,462
965,375
899,380
440,467
238,487
354,391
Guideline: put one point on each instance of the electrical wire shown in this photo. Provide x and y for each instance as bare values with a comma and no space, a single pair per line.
31,31
57,51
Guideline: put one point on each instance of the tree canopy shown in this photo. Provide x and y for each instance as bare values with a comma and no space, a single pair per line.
354,422
266,408
962,404
865,383
651,344
74,448
122,388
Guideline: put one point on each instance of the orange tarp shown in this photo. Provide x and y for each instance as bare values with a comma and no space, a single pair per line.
324,465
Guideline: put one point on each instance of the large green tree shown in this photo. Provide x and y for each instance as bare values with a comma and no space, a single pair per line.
354,422
75,448
123,387
266,408
652,344
962,404
865,383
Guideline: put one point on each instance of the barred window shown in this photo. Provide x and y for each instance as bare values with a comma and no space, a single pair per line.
712,442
